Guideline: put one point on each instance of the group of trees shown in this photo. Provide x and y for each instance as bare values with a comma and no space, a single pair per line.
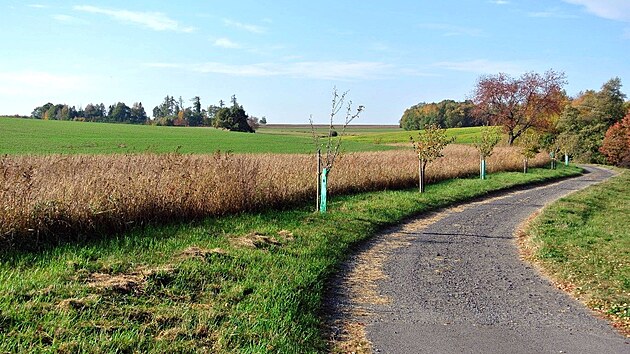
536,113
171,112
117,113
444,114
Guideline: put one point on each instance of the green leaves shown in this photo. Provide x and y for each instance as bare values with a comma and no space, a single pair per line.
430,143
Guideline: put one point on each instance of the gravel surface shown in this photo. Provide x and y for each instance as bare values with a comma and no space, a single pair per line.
457,285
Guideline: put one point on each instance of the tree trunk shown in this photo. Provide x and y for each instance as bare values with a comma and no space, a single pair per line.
511,138
421,167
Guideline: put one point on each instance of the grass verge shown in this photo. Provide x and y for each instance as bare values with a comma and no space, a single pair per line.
583,243
250,283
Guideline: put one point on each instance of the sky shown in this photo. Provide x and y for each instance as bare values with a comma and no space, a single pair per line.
282,59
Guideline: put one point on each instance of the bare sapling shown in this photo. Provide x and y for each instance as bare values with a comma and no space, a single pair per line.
429,145
485,143
332,147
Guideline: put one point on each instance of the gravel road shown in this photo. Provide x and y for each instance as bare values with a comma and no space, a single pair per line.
456,285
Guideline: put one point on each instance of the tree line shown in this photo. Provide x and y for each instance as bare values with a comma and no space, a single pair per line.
171,112
536,113
444,114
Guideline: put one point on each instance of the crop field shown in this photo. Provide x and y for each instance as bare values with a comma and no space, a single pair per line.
31,136
43,198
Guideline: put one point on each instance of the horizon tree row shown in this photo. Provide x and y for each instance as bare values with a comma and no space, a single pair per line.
171,112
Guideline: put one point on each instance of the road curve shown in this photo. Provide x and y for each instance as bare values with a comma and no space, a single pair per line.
457,285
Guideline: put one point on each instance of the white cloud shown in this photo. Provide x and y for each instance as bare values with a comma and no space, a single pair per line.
226,43
68,19
38,6
499,2
483,66
245,26
610,9
326,70
550,13
452,30
154,20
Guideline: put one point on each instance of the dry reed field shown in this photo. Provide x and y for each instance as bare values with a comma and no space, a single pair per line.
47,199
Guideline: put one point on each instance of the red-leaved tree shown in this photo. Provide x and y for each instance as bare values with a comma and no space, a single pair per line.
521,103
616,145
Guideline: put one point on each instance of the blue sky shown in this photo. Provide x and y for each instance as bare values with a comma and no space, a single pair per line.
283,58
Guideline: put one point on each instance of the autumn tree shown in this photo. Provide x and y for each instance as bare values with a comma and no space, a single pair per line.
485,143
589,116
429,145
616,146
519,104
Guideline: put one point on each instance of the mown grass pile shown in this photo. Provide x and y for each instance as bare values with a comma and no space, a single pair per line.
47,199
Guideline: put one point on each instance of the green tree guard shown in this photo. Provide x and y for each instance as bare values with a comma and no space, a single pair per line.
322,197
483,168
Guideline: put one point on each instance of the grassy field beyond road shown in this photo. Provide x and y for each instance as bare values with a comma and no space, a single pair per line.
583,243
251,283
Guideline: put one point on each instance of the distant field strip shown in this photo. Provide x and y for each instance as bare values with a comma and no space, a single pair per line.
32,136
50,198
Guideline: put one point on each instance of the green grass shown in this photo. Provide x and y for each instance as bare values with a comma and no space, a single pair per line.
583,241
462,136
305,129
228,298
31,136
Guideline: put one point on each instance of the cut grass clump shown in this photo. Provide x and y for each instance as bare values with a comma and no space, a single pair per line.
583,242
195,289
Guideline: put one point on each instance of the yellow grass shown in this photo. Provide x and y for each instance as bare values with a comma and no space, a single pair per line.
45,199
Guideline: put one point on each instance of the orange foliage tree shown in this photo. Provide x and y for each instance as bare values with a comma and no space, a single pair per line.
616,146
521,103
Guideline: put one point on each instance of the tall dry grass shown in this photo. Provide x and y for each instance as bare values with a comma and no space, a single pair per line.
46,199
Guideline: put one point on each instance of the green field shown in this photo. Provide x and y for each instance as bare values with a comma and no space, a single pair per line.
399,136
30,136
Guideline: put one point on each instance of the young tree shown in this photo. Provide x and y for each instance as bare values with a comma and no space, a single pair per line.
567,144
485,143
431,141
519,104
333,144
530,146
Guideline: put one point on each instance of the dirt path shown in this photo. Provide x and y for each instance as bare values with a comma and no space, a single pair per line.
452,282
